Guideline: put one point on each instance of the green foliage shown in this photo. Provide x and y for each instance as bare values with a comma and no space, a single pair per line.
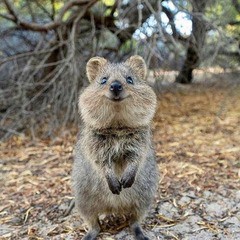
128,46
223,14
108,40
108,3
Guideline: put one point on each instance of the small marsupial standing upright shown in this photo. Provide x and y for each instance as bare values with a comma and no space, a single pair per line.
115,169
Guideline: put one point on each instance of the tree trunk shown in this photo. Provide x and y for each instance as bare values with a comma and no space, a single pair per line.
196,42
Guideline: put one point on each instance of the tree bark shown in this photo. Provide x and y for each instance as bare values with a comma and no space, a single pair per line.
196,43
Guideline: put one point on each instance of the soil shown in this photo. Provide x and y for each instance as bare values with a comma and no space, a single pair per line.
196,135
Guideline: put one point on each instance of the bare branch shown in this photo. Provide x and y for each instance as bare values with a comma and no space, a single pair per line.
234,23
29,6
44,9
225,52
8,17
48,26
11,10
113,8
31,53
53,9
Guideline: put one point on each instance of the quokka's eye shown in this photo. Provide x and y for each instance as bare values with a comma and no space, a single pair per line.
103,80
129,80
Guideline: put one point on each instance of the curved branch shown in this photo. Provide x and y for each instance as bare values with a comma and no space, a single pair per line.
7,16
13,16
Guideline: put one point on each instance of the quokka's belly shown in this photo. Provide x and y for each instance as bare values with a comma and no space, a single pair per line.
130,199
124,203
101,200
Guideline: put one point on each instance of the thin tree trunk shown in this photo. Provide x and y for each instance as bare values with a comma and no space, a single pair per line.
196,43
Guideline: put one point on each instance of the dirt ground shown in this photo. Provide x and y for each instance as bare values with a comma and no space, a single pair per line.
197,141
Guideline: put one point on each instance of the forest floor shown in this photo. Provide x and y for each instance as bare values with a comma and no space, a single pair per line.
197,141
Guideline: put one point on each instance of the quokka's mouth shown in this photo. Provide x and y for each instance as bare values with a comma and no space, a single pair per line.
116,98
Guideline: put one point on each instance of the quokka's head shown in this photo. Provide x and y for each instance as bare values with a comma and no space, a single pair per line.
118,95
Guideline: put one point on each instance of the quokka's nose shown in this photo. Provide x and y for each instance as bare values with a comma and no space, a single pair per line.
116,87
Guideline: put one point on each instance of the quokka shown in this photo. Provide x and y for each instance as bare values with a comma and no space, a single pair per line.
115,169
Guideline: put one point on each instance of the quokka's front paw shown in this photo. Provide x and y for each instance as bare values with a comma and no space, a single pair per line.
114,185
127,180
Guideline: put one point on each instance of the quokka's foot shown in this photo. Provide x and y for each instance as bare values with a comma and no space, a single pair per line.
138,233
92,233
90,236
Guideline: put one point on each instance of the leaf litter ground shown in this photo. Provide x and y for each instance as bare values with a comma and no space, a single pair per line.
197,141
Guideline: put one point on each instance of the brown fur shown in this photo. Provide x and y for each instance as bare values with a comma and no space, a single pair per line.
115,169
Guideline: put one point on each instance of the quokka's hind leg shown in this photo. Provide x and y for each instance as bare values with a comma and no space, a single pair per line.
93,229
136,227
138,232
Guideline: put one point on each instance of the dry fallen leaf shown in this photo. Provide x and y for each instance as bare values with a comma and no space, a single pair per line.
197,148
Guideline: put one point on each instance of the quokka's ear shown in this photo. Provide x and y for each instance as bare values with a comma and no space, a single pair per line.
138,65
94,65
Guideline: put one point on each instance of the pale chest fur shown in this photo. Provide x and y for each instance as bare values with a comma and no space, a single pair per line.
115,146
